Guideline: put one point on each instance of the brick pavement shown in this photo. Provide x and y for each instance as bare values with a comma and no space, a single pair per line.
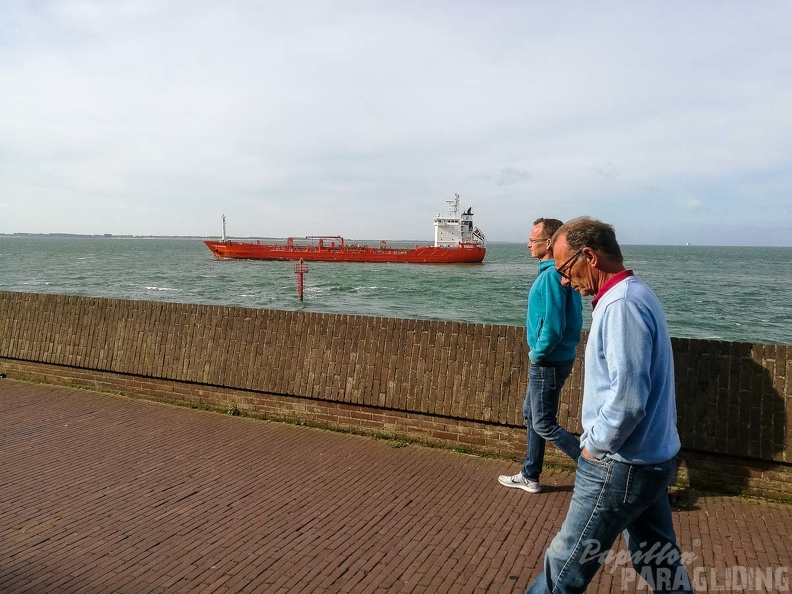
100,493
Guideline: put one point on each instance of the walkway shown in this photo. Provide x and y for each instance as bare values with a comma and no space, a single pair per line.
100,493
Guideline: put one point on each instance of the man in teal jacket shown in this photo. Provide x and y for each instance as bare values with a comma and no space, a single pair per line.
554,322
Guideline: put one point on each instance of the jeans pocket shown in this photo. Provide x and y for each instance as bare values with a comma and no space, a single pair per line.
601,462
598,471
646,482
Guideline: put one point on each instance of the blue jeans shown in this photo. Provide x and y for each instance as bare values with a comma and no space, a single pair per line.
611,497
540,410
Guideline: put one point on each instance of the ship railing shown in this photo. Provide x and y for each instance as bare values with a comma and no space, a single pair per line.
321,239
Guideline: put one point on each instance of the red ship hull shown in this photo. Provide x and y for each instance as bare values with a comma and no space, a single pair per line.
466,253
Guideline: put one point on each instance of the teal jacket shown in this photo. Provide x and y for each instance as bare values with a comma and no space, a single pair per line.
555,317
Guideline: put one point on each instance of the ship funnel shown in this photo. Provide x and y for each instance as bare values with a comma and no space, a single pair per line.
223,238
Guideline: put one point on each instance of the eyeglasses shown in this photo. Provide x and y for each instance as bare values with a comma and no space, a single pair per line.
540,240
566,267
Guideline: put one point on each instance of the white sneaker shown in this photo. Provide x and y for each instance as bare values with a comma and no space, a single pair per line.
518,481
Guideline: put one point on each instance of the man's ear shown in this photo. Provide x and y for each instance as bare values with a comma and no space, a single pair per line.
591,256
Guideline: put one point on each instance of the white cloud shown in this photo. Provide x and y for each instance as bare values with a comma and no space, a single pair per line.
363,117
693,205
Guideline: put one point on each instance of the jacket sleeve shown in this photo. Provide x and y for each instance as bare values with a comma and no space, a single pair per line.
553,316
627,349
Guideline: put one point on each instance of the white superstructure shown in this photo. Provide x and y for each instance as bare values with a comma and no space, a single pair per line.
453,230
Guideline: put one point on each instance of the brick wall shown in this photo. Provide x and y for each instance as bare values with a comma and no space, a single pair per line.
446,383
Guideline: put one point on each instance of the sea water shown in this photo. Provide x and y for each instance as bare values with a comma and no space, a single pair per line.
738,294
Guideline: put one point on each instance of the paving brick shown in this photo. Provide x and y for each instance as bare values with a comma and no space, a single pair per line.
100,493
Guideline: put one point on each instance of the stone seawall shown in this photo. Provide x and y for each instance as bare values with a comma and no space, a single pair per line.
446,383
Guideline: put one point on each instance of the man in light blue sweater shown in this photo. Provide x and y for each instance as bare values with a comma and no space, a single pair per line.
629,438
553,324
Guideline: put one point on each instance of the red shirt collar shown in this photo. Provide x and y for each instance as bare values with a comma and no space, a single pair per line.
611,282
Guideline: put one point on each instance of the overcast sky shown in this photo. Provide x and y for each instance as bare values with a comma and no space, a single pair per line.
670,120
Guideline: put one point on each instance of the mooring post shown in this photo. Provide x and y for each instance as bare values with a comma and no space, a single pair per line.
300,269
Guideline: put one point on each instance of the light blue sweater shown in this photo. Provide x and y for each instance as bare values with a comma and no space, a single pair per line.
554,319
629,408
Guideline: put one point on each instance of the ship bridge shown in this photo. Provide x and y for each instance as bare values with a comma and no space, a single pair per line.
453,230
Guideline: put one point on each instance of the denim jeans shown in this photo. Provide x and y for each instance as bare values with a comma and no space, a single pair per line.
611,497
540,410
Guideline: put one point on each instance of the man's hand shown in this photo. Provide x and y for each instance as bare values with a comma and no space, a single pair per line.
587,455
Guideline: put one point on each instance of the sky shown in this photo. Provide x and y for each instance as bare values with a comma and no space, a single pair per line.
671,120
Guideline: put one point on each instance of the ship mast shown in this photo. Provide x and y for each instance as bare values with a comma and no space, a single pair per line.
453,207
223,238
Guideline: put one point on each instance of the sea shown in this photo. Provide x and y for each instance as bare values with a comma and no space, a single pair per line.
736,294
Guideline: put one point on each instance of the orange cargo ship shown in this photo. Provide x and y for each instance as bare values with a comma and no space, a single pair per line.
457,241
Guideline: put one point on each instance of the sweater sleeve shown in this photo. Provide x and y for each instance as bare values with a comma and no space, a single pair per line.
627,343
553,316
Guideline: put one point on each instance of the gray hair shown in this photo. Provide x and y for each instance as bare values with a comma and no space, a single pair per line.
585,232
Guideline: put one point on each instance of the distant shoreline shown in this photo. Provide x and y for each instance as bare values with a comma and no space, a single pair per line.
405,241
101,235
